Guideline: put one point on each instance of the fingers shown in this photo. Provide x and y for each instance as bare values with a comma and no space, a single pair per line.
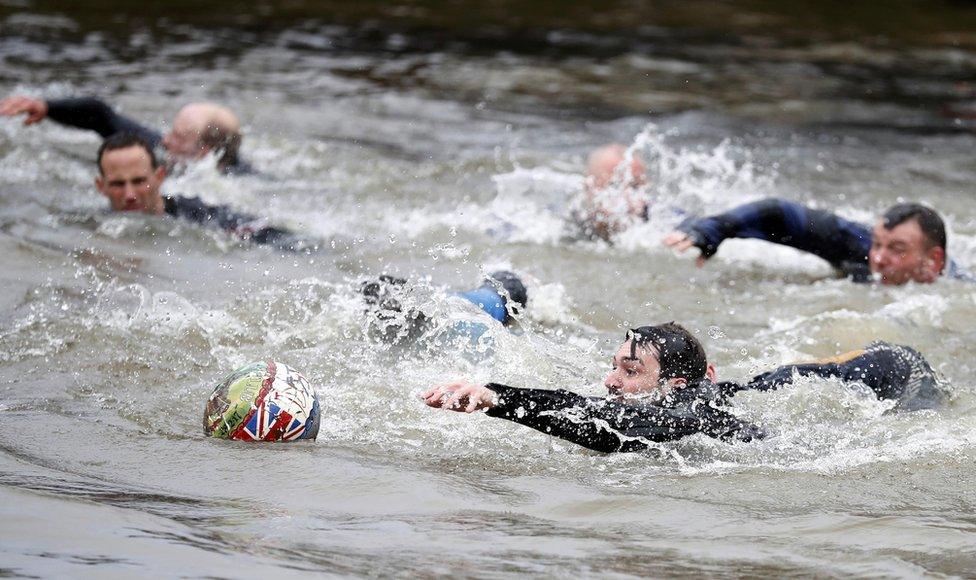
461,396
14,106
679,241
35,109
439,395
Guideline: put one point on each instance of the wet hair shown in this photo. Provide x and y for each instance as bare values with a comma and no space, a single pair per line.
679,353
124,140
931,224
228,143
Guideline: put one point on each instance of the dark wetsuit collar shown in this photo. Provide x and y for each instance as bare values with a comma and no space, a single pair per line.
702,390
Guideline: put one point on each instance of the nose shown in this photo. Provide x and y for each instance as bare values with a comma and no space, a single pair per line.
612,382
131,193
879,256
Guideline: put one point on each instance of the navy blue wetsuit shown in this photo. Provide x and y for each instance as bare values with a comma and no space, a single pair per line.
607,424
843,243
243,226
94,115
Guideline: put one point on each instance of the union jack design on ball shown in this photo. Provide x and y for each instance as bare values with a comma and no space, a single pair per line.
263,402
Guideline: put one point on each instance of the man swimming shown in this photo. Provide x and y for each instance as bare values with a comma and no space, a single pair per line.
130,177
612,194
198,128
501,295
907,244
661,388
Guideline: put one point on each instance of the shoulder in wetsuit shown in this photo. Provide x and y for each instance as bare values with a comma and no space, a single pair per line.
243,226
843,243
893,372
95,115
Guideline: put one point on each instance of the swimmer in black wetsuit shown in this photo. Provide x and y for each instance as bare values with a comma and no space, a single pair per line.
907,243
198,128
130,177
661,389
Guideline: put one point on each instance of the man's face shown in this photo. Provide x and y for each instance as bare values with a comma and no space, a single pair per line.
129,181
633,376
902,254
183,141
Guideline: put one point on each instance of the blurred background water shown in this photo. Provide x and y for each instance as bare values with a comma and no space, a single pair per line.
437,141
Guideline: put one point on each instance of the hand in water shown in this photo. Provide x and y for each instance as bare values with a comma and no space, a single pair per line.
461,396
36,109
681,242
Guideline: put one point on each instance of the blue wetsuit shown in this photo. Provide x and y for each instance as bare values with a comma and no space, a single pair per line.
609,424
94,115
843,243
243,226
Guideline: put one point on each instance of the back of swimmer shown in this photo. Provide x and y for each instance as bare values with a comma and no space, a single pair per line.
501,295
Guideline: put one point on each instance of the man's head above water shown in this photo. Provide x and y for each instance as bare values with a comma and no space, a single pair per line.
654,360
607,164
908,244
200,128
614,190
129,174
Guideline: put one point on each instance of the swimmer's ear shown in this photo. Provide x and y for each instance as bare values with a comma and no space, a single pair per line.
936,256
161,172
677,382
100,184
710,373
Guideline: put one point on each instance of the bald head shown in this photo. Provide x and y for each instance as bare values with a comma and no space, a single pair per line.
604,162
200,128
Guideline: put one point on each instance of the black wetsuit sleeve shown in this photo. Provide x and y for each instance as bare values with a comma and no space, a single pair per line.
608,426
841,242
94,115
241,225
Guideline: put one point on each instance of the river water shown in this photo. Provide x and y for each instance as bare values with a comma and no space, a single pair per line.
438,141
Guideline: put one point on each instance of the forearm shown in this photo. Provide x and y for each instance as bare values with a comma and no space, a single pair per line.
559,413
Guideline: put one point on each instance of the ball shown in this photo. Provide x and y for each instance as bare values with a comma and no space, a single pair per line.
263,401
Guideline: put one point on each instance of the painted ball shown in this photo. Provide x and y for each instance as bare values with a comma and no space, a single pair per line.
263,401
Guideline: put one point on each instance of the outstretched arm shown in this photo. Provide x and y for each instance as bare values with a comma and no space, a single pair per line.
843,243
594,423
82,113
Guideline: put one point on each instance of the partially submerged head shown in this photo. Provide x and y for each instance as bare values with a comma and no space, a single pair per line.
654,360
908,244
614,193
129,174
200,128
609,164
502,295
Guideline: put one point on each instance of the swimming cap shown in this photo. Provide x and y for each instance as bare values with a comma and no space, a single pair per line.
490,298
262,401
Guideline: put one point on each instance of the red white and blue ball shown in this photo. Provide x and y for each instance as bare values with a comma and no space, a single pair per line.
263,401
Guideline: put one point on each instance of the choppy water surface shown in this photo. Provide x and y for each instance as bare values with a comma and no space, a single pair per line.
436,145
